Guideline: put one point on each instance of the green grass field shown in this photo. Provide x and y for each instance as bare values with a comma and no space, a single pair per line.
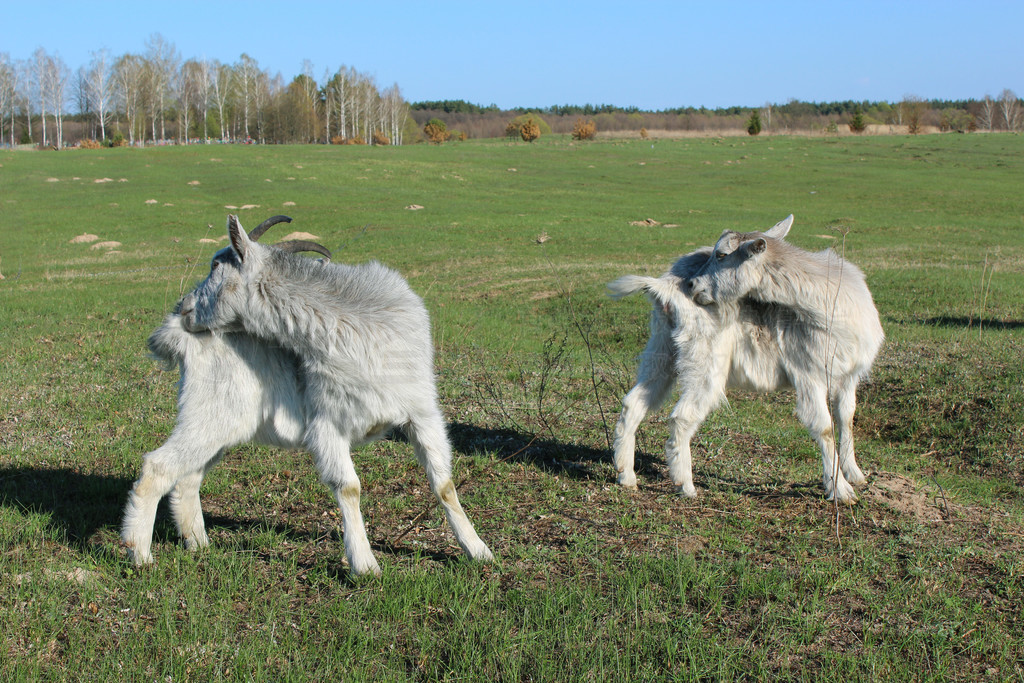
758,578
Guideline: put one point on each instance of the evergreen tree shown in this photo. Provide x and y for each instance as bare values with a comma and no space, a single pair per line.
754,123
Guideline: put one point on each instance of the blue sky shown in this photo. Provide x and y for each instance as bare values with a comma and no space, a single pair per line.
652,55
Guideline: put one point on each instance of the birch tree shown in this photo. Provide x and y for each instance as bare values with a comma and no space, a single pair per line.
38,82
221,84
1009,107
57,87
8,92
98,88
336,100
128,76
50,78
262,95
987,113
23,93
188,93
163,59
246,72
396,114
204,85
312,94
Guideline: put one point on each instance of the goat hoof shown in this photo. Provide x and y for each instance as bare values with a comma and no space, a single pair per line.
370,568
688,491
139,559
627,481
483,555
478,551
194,543
856,477
842,494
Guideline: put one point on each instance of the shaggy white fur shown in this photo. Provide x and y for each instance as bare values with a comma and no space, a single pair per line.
771,316
296,351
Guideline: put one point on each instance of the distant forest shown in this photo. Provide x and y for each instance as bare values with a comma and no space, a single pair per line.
912,114
156,97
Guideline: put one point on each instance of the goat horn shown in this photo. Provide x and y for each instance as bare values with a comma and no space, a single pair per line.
295,246
258,231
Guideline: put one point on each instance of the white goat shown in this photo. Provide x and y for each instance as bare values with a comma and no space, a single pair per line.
820,338
285,350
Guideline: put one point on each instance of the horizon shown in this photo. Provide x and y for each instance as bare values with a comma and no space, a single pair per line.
663,55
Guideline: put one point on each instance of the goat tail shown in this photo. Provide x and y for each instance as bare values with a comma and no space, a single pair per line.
630,284
664,290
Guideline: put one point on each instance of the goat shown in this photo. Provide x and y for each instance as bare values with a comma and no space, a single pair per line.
274,348
821,342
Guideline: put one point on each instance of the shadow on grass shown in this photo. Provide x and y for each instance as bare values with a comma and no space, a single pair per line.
86,510
79,504
583,463
554,457
973,323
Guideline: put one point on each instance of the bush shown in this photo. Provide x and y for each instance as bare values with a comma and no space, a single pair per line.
545,129
584,130
380,139
643,133
530,131
90,144
754,123
436,131
857,123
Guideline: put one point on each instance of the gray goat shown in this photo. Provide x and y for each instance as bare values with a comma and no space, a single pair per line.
725,317
279,349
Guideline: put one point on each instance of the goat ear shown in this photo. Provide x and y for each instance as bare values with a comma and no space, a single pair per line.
757,246
780,229
239,238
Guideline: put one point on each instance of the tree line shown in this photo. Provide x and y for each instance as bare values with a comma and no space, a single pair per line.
1004,112
156,97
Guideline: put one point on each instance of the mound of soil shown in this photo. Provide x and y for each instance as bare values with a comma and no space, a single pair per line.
905,497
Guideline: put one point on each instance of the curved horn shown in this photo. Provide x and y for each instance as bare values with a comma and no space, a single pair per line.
258,231
295,246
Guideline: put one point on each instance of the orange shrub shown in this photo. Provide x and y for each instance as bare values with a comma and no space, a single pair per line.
583,130
530,131
436,131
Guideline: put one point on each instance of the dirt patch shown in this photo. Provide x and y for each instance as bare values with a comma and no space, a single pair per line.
106,245
647,222
904,496
84,238
300,236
